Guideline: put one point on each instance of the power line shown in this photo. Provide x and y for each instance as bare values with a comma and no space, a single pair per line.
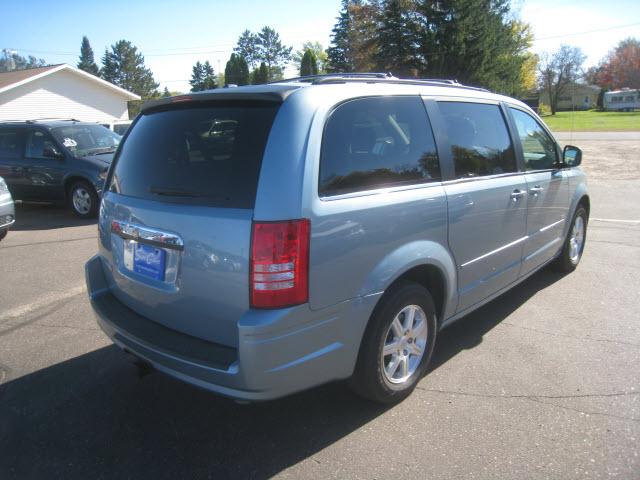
588,31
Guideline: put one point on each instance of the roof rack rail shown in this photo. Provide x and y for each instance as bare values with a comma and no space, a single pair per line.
58,119
314,78
332,78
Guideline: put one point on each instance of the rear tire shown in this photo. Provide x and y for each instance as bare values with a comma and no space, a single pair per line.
83,199
397,345
574,243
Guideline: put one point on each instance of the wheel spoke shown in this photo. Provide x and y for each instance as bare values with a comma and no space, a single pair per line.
421,329
415,349
390,348
409,316
392,367
396,326
404,369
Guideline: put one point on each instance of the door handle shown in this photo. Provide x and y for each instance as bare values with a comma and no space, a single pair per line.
536,190
517,194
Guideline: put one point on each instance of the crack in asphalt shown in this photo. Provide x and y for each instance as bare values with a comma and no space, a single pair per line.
564,335
540,399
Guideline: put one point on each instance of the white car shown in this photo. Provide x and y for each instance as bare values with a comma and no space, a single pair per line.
7,211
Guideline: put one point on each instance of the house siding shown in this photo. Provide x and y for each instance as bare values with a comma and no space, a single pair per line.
575,97
63,94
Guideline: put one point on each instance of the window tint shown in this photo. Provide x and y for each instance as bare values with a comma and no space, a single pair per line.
40,145
207,154
10,144
538,147
479,139
377,142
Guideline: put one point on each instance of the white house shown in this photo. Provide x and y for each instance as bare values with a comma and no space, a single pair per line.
61,91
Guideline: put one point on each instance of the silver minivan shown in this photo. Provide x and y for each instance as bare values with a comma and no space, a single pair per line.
261,240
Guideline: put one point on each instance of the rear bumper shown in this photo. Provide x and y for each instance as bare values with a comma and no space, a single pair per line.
279,352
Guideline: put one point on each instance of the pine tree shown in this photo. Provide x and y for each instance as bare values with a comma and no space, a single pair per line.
124,66
260,75
247,48
166,93
272,52
236,71
339,52
309,64
396,47
202,77
86,61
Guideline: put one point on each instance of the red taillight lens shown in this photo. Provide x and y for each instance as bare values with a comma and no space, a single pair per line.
279,269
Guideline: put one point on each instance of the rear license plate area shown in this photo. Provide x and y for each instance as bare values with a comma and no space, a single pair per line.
145,260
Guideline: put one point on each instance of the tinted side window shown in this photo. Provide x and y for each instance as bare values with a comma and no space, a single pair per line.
538,147
10,144
377,142
39,145
479,139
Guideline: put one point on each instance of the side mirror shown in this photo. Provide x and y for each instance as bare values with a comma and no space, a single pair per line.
50,151
571,156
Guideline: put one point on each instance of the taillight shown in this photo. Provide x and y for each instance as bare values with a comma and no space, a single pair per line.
279,270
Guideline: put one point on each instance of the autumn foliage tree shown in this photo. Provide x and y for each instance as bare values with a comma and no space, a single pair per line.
620,68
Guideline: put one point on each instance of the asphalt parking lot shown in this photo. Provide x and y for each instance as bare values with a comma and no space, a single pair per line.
544,382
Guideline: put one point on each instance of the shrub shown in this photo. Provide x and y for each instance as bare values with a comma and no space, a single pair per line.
544,109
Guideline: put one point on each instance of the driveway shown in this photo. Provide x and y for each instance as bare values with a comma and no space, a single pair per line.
541,383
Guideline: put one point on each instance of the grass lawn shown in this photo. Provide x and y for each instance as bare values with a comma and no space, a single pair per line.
592,121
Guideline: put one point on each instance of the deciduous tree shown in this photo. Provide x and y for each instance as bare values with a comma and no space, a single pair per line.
12,61
318,50
621,67
559,70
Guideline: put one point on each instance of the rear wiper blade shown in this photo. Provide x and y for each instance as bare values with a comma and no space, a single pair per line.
175,192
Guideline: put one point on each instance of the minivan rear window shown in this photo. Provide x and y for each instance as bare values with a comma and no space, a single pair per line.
207,154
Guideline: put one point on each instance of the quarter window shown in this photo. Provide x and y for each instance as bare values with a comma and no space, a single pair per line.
10,145
479,139
377,142
538,147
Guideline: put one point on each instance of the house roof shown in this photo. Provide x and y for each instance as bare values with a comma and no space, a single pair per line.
15,78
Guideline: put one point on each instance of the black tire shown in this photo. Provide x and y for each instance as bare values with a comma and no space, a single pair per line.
566,262
87,208
3,233
369,379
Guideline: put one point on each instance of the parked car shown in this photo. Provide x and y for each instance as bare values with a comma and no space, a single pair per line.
7,211
62,161
118,126
359,214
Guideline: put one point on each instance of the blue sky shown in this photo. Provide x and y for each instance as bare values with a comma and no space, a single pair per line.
173,35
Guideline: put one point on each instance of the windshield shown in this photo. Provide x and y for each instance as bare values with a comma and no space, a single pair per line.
84,140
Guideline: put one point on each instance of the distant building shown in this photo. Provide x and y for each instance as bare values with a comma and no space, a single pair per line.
624,99
574,97
61,91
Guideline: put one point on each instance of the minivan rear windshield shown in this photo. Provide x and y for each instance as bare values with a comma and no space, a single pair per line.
208,154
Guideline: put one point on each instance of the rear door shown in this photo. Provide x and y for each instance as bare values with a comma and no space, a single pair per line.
487,200
177,214
548,191
12,165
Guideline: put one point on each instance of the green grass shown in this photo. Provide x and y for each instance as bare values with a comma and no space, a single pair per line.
593,121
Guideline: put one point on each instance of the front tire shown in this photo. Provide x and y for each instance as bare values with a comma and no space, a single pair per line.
574,243
83,199
397,345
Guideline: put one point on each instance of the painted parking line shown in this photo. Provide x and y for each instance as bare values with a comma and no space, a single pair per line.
616,220
42,302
